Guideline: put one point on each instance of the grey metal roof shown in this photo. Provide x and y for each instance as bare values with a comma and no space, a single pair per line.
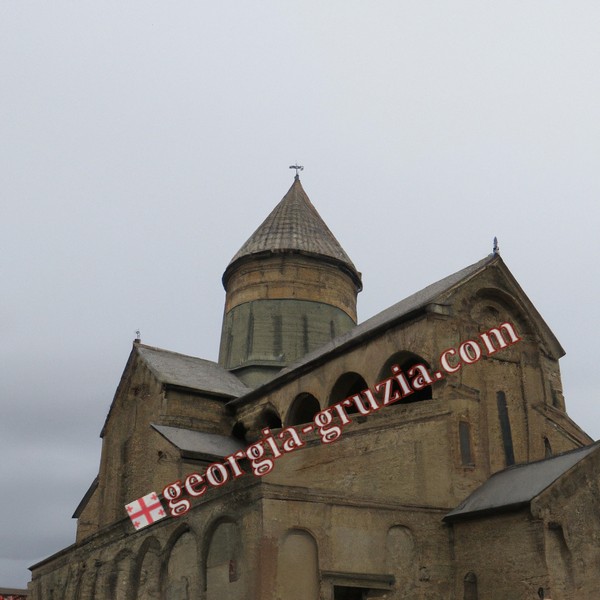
199,443
294,225
397,311
191,372
518,485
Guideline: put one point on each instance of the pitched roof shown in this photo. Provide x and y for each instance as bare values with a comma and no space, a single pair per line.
295,226
518,485
197,444
190,372
400,311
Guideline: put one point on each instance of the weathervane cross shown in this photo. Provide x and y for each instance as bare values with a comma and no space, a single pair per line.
298,168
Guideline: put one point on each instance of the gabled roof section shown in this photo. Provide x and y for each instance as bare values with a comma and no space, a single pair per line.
199,444
295,226
190,372
182,371
518,485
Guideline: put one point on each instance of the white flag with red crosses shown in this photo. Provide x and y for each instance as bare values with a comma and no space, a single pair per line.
145,511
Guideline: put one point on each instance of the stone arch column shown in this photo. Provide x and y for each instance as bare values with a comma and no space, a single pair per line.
87,584
74,581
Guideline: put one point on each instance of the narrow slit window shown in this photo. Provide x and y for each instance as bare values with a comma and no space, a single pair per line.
470,587
464,435
547,448
305,333
278,336
509,455
250,336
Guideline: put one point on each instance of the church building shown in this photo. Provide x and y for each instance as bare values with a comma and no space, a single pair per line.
423,454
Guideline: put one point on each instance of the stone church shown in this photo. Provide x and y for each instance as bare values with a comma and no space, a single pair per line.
476,486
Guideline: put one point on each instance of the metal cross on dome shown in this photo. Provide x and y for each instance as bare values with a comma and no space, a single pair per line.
298,168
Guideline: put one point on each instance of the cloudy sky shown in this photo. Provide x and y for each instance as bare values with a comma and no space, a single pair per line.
142,142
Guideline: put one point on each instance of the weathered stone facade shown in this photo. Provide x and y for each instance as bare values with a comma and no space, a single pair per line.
379,513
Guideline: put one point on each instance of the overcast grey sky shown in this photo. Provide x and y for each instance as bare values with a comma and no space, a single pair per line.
142,142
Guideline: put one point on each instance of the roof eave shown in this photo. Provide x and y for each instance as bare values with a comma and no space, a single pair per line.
122,383
486,512
198,391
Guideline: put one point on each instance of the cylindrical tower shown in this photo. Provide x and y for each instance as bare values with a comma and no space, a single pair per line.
289,289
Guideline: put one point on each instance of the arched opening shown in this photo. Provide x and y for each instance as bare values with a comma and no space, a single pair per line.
547,448
346,386
304,407
298,566
119,579
146,575
405,361
400,559
239,431
180,571
223,566
496,306
270,419
470,587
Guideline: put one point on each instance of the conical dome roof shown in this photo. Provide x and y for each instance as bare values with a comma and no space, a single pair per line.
295,226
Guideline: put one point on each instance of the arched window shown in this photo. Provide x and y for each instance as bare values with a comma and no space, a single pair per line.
470,586
303,409
406,361
347,385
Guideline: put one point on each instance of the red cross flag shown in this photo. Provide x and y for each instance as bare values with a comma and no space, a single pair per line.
145,511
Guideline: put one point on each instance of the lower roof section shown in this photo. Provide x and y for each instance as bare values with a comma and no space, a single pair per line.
199,444
518,485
